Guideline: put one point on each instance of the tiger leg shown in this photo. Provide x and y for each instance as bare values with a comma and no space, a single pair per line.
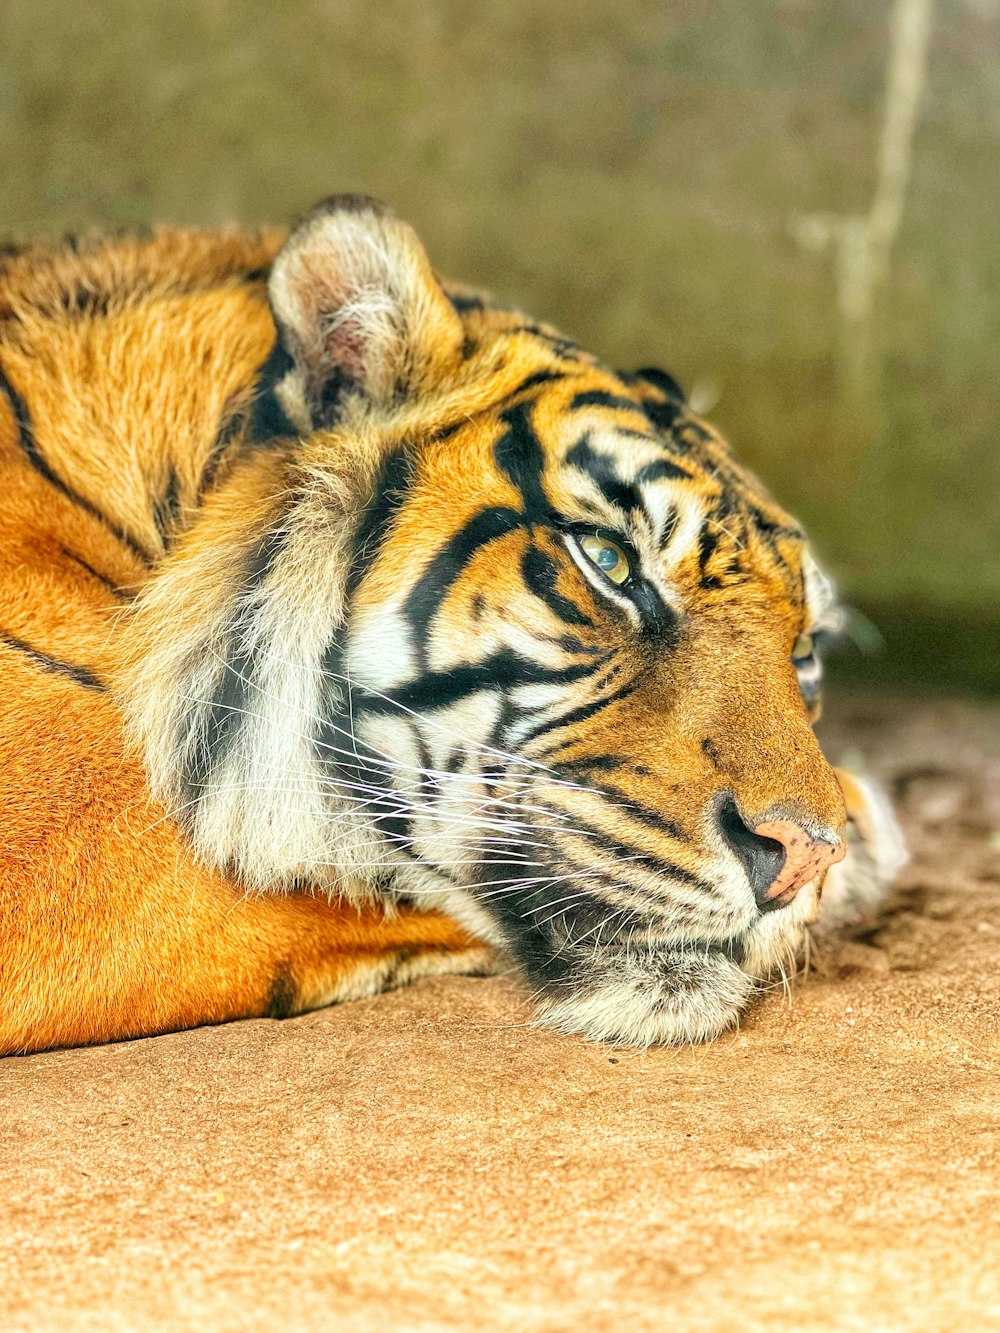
84,963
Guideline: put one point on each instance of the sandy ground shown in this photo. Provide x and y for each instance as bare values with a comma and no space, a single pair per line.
428,1160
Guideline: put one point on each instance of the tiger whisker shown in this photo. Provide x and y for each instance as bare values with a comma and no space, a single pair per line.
455,735
551,774
395,766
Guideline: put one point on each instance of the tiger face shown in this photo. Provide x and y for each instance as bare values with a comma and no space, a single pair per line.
484,625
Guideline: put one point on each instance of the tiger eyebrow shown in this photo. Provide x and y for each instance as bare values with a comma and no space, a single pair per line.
600,469
601,398
662,469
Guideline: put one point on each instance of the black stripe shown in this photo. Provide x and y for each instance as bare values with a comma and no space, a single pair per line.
233,424
601,398
667,417
108,583
644,813
441,689
520,912
29,447
81,675
569,643
540,573
703,436
583,768
637,856
434,584
560,345
167,508
348,760
662,381
455,762
659,621
771,529
283,996
334,733
601,470
269,420
529,382
465,304
510,906
520,457
538,377
446,432
392,486
673,906
393,965
708,541
212,732
582,713
663,470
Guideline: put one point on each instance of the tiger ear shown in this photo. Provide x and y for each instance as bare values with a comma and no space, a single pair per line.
359,312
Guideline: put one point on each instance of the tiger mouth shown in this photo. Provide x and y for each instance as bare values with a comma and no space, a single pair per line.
575,944
647,996
647,985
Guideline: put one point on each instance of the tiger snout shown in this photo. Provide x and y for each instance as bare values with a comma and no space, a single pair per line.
780,856
692,991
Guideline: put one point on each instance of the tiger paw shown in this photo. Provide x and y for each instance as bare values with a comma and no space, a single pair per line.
856,888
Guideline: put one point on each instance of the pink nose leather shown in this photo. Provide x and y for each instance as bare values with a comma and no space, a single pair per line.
805,858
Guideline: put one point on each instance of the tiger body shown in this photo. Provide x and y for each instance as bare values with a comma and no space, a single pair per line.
313,687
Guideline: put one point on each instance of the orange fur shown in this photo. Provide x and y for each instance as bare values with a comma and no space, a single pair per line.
152,879
109,925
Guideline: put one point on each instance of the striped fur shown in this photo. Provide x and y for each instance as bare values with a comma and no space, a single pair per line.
315,689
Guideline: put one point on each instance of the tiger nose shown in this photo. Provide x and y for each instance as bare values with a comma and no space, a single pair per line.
780,856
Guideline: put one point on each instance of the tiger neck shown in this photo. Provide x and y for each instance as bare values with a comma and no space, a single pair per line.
225,663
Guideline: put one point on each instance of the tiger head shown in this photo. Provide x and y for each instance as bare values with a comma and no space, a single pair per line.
480,622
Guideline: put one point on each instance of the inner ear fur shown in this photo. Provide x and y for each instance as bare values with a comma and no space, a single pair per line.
359,311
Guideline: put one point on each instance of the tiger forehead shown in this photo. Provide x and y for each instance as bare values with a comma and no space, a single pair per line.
622,453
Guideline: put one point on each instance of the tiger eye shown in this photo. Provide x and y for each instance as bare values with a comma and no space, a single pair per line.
609,558
803,647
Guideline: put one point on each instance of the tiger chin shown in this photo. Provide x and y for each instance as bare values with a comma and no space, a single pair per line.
449,620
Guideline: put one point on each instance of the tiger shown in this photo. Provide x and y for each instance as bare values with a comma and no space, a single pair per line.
358,628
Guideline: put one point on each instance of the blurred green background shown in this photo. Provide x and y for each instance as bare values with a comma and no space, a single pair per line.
706,186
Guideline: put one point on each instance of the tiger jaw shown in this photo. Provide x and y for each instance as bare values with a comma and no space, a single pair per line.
639,986
677,992
647,976
645,991
691,993
613,951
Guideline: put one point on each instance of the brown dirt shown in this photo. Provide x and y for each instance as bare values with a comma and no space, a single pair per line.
428,1160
